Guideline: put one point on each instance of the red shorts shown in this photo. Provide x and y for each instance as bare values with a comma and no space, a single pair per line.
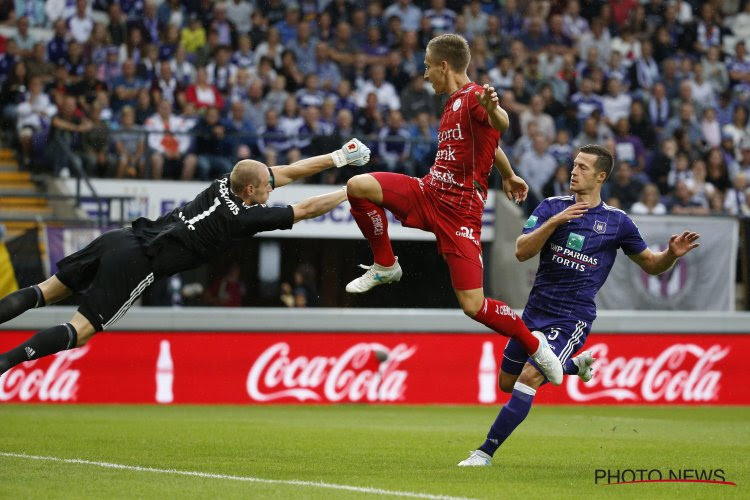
457,233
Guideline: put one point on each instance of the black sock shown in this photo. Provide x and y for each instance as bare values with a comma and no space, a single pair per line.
49,341
20,301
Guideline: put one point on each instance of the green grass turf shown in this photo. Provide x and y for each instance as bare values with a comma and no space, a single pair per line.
414,449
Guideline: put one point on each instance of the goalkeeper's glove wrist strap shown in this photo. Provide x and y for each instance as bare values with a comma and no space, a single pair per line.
339,159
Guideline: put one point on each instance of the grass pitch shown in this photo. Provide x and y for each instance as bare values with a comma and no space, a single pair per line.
404,450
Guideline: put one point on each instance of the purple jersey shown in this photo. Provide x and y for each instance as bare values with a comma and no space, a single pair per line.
575,261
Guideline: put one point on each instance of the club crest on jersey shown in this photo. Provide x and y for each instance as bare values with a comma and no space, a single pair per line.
575,242
456,104
600,227
531,222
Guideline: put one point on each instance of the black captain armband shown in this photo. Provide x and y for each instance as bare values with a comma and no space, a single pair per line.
273,179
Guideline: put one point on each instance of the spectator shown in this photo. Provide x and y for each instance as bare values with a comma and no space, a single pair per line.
144,107
129,146
735,199
680,170
739,129
304,48
416,99
169,144
441,19
646,68
310,95
502,74
64,138
24,40
221,72
743,165
81,23
228,291
240,11
710,128
600,38
394,144
38,66
616,104
561,149
649,204
290,119
715,70
682,203
33,10
202,93
659,108
628,147
590,134
625,187
12,91
383,90
574,26
272,141
126,87
687,123
117,29
701,190
640,125
255,108
95,145
244,57
271,48
171,13
315,136
558,184
718,173
212,146
33,115
409,14
240,130
536,166
193,36
57,47
585,100
535,112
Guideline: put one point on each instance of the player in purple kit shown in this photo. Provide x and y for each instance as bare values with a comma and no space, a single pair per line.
577,238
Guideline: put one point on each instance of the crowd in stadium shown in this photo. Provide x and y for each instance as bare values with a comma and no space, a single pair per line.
182,89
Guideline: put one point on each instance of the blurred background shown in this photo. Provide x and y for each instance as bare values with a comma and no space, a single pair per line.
112,110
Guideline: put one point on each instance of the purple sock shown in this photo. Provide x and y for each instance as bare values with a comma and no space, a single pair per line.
570,368
510,416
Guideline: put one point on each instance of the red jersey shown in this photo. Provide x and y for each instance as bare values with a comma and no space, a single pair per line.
466,151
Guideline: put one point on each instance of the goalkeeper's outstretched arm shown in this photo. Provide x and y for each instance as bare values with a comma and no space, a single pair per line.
351,153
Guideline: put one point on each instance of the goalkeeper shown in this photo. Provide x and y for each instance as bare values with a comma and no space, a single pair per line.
114,269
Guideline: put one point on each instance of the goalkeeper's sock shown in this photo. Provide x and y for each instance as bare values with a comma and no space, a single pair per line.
373,223
49,341
511,415
498,316
20,301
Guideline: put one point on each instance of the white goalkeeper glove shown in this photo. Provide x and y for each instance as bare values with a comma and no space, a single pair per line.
353,152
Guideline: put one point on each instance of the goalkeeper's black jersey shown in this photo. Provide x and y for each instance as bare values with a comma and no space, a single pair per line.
193,234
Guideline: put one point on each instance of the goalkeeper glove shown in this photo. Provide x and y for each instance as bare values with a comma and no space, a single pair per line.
353,152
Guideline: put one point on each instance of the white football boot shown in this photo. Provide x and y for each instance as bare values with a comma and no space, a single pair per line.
547,361
375,275
477,458
584,362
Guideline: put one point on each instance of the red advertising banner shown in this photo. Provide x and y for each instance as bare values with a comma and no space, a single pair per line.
320,368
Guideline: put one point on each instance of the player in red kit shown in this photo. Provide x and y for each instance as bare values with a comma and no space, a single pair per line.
450,199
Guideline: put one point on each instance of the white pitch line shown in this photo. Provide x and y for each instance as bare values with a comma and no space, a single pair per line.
250,479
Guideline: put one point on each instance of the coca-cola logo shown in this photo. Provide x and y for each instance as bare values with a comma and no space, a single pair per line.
29,381
276,375
682,372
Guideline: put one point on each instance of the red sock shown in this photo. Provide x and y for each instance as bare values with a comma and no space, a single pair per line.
498,316
373,223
